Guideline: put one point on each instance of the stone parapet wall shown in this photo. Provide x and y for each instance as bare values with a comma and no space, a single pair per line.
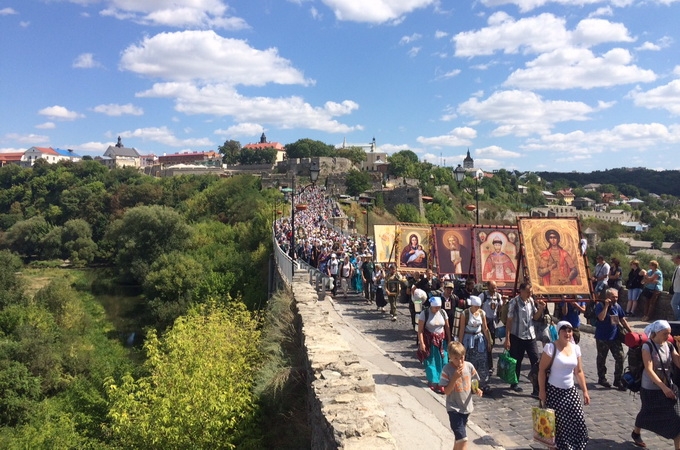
344,412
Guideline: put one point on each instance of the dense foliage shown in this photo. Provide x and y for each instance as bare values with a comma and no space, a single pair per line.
198,393
178,264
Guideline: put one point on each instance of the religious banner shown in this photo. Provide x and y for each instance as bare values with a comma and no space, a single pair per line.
554,262
385,240
414,247
496,251
454,250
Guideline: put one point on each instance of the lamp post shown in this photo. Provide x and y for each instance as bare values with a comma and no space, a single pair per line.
459,175
313,175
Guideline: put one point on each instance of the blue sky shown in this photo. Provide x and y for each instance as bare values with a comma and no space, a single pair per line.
566,85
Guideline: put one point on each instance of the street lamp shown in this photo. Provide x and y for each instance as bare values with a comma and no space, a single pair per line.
313,175
459,175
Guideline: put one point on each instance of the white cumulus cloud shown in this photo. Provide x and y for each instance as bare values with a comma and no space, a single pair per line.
537,34
662,97
86,61
177,13
570,68
461,136
166,137
523,113
115,110
241,129
60,112
375,11
208,57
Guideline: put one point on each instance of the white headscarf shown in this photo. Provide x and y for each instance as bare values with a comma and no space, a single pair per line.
475,301
657,326
435,301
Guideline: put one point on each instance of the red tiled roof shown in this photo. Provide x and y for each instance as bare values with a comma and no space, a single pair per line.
259,145
13,156
47,151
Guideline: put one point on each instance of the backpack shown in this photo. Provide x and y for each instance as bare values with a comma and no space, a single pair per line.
632,377
589,313
427,314
504,312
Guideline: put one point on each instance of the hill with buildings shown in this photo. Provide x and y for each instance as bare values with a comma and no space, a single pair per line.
647,181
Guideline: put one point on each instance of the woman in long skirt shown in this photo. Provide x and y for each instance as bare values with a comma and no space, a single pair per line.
660,411
558,391
433,335
474,334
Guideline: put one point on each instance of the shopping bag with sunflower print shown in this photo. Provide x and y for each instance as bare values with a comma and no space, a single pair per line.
544,425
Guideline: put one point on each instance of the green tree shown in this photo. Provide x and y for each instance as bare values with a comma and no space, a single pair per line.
355,154
405,212
142,235
307,148
231,150
199,389
77,243
403,164
25,237
170,285
11,285
613,248
357,182
534,197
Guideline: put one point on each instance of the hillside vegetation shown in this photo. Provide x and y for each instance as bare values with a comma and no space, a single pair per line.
132,310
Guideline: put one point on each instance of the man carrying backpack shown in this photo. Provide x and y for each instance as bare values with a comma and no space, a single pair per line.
522,311
609,316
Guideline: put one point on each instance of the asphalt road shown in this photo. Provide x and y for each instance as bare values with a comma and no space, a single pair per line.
506,415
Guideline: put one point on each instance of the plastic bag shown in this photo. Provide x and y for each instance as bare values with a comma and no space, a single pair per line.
506,368
544,425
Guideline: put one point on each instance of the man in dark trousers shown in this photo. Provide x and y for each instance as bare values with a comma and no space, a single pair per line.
609,315
522,311
367,278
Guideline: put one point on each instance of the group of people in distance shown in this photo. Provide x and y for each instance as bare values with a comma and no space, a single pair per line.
457,326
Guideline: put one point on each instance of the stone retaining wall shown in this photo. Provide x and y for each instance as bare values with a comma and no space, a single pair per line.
344,412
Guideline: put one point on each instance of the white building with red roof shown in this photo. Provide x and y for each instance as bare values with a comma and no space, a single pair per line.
280,149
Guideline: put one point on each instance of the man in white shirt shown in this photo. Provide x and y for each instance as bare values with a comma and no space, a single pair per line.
600,275
675,288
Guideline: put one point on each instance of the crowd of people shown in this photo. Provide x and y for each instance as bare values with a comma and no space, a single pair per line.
457,326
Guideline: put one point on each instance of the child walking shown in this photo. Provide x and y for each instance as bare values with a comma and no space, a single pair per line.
460,381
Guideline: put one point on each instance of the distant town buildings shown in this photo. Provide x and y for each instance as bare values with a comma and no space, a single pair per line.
280,148
30,156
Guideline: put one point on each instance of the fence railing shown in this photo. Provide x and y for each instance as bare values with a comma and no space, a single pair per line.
287,268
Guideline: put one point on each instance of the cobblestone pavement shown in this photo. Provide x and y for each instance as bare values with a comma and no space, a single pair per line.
506,415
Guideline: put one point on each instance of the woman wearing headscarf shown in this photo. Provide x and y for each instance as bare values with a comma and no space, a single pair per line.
433,337
474,334
660,411
557,390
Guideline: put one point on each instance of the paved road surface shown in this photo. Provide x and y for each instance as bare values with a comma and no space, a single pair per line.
505,417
